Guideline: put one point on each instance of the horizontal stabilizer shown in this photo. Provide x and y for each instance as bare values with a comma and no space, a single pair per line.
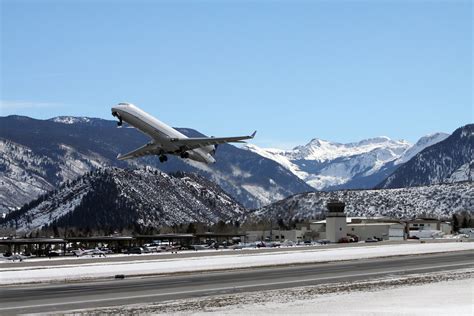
148,149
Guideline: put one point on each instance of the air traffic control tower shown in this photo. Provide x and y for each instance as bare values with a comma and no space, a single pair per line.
336,225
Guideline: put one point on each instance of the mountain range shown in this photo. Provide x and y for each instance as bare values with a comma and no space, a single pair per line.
328,165
117,198
64,172
37,156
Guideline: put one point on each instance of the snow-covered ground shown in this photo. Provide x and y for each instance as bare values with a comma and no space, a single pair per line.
440,293
446,298
102,268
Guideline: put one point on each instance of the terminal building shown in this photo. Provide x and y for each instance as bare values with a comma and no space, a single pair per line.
364,228
337,227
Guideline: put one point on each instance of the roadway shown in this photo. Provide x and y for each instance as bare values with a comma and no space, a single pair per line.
92,294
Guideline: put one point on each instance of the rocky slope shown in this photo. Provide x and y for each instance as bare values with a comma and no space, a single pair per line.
116,198
450,160
433,201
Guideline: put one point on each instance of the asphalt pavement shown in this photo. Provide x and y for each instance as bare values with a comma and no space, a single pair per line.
69,296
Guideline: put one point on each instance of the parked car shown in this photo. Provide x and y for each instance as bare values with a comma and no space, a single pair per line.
324,241
353,238
52,254
371,240
273,244
152,247
135,250
288,243
343,240
106,250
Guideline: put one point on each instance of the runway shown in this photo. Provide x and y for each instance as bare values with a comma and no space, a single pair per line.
64,297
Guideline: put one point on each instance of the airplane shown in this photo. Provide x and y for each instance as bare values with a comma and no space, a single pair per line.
153,247
88,252
213,245
244,246
166,140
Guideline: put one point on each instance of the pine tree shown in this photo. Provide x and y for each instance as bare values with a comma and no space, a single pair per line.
455,223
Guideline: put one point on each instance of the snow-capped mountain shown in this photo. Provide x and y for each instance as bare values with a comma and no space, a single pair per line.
39,155
330,166
321,150
422,143
450,160
432,201
116,198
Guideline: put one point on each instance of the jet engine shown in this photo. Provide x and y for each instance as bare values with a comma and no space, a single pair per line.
213,152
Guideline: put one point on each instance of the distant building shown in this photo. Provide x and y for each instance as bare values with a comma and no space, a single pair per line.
365,227
379,230
431,224
281,235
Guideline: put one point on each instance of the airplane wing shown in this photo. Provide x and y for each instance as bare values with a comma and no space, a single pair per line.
197,142
147,149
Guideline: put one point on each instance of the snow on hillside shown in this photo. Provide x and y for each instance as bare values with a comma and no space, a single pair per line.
434,201
329,165
323,164
463,173
119,198
70,119
22,175
421,144
322,150
25,174
445,161
278,156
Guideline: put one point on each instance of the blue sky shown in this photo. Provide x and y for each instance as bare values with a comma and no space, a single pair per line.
293,70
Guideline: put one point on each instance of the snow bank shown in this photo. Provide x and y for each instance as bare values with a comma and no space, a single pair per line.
443,298
104,268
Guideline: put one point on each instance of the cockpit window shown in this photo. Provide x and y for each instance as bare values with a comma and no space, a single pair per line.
123,103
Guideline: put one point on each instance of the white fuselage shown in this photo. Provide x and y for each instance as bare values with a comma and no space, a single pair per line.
160,132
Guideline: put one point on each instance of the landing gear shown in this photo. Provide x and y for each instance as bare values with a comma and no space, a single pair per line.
184,155
119,123
163,158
